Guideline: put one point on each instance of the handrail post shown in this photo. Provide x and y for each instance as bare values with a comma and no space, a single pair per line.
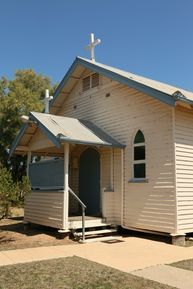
83,224
83,212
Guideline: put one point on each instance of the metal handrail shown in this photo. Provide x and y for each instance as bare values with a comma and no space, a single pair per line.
83,212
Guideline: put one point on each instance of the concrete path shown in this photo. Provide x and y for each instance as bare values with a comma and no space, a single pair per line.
137,256
128,254
168,275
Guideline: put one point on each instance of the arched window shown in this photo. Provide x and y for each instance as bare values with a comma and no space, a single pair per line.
139,163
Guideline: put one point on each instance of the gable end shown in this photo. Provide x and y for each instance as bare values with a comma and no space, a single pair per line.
80,64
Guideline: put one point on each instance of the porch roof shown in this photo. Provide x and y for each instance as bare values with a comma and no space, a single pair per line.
59,129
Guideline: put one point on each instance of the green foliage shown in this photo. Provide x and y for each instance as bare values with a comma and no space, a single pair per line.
11,193
17,97
23,188
7,190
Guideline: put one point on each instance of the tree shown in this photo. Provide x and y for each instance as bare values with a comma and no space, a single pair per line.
11,193
17,97
7,190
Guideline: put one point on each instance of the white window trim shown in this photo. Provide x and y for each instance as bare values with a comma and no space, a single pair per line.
138,180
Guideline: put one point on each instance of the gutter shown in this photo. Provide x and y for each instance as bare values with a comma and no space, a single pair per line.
64,139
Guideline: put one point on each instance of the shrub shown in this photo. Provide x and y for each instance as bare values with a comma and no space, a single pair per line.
23,188
7,192
11,194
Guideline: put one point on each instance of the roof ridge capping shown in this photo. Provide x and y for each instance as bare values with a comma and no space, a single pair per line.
136,75
159,90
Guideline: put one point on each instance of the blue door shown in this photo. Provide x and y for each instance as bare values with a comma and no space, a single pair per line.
89,181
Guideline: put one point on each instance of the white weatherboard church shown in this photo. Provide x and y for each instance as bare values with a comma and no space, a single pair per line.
120,144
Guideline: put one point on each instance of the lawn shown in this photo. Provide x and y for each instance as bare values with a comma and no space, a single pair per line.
70,273
185,264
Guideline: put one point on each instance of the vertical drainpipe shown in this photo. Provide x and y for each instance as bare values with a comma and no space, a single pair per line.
66,187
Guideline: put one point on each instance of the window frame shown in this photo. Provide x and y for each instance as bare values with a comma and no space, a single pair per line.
141,161
91,81
93,77
84,82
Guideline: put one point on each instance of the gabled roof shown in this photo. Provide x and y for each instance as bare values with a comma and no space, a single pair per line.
161,91
59,129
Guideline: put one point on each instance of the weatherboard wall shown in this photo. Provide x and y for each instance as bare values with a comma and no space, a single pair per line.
184,169
121,111
44,208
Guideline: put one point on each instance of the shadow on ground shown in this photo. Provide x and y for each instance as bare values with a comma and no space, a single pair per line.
148,236
16,225
15,235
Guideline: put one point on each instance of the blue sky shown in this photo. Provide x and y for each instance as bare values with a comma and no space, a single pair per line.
152,38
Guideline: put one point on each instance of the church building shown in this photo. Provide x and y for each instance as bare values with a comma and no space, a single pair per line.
116,149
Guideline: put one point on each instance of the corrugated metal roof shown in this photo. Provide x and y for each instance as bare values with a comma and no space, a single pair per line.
63,129
73,130
163,92
160,86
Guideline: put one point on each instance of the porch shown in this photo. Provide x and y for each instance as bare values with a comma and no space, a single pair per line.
46,205
80,168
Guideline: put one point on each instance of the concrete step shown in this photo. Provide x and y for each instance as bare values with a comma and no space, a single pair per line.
96,232
96,229
75,223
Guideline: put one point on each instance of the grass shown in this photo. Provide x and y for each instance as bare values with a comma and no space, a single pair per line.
185,264
70,273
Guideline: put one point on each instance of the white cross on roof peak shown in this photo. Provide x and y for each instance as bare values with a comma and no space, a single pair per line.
47,100
92,45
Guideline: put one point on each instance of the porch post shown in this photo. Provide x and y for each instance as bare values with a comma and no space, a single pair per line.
66,186
28,162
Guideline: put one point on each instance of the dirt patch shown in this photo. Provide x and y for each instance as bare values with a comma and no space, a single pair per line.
14,235
189,243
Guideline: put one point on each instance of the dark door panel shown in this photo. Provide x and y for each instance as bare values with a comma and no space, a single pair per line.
89,181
